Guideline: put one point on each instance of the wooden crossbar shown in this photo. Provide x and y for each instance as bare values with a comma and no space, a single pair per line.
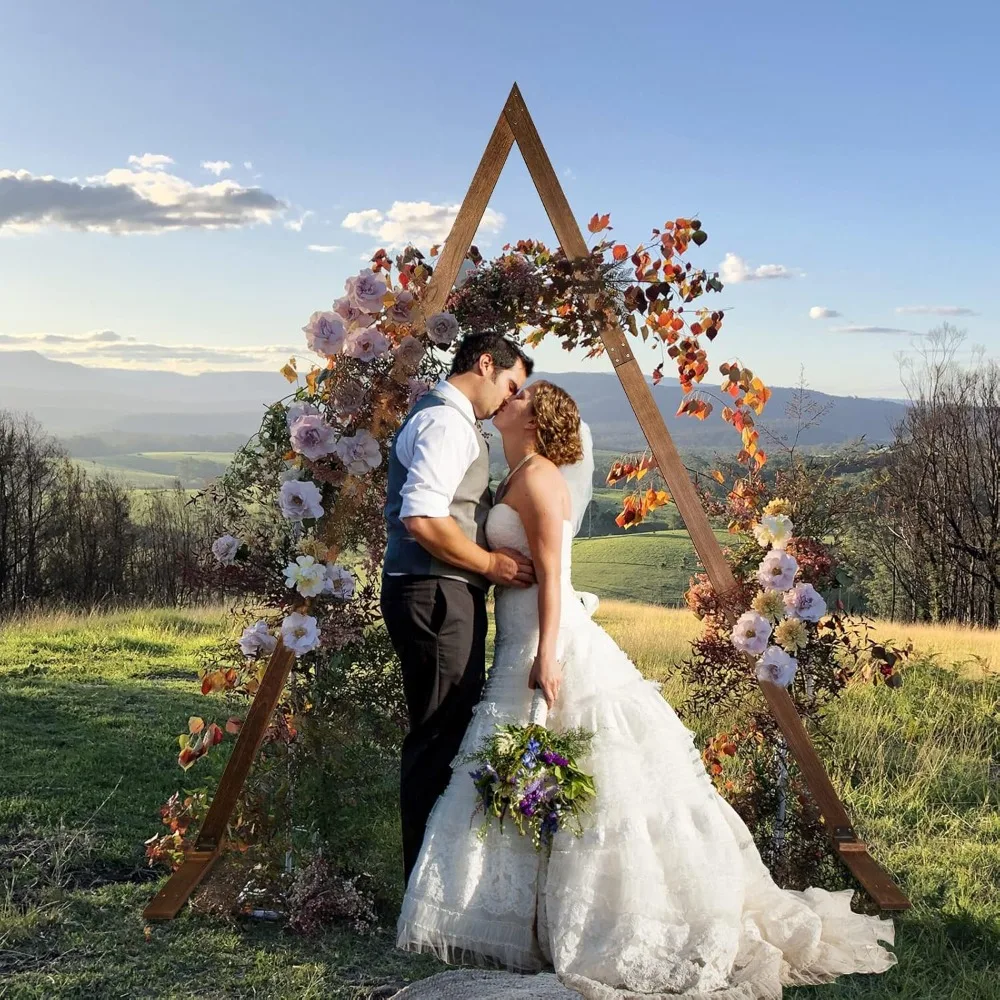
515,126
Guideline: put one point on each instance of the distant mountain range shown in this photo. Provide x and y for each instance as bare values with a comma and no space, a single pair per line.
70,400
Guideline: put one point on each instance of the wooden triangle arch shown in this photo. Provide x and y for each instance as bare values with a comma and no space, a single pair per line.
515,125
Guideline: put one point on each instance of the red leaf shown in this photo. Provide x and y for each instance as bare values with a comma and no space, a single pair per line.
658,374
233,724
620,252
599,223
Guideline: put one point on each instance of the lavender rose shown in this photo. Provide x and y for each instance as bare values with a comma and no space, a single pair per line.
313,437
325,333
777,667
299,409
805,602
300,499
225,548
442,328
418,389
257,639
410,353
366,345
360,453
366,291
355,318
751,633
339,582
399,311
777,570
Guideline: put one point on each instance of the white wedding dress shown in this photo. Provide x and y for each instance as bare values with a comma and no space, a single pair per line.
665,893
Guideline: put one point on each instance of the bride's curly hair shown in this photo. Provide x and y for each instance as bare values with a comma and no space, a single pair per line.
557,420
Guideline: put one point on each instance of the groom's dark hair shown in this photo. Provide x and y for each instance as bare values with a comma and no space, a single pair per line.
503,350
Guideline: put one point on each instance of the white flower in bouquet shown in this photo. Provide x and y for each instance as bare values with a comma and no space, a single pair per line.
360,453
366,291
306,575
751,633
777,667
300,633
299,409
418,389
339,582
300,499
791,635
366,345
777,570
410,352
770,604
442,328
805,602
257,639
225,548
325,333
399,311
355,318
313,437
774,530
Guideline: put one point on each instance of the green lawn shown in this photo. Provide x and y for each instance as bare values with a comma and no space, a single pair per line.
90,709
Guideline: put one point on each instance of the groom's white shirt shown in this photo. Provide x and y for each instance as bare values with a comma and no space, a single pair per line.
436,447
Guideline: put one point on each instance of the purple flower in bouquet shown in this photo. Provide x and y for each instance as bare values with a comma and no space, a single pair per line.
313,437
805,602
777,667
360,453
751,633
225,548
366,345
257,639
418,389
299,409
339,582
325,333
353,317
554,759
777,570
410,353
300,499
442,328
366,291
399,311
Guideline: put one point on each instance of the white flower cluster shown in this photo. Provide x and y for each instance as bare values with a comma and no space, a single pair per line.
782,598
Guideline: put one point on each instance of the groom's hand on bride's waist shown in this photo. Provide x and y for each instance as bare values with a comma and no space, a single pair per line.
510,568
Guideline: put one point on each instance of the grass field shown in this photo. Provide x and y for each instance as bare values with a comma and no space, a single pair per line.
161,469
90,707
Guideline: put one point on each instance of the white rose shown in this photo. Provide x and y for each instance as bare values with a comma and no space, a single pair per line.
300,633
805,601
306,576
225,548
339,582
751,633
777,570
777,667
257,639
774,530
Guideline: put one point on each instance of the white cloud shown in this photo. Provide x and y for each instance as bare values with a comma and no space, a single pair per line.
858,328
417,222
107,349
821,312
217,167
124,200
150,161
296,224
248,164
568,174
936,311
735,269
323,248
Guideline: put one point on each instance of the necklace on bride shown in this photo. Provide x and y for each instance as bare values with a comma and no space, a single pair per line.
505,482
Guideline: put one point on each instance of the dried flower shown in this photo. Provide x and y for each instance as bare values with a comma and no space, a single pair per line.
791,635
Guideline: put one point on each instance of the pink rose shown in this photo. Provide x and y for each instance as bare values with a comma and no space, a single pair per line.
751,633
366,345
366,291
325,333
777,570
777,667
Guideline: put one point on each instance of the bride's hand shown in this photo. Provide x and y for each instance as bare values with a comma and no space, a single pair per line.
546,673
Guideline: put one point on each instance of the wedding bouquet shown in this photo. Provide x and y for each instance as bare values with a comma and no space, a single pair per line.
529,775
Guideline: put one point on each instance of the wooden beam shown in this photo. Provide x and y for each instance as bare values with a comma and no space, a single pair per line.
171,898
851,850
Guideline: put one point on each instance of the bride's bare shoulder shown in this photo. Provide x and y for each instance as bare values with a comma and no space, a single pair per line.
544,481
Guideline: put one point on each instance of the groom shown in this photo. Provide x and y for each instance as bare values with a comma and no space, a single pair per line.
437,567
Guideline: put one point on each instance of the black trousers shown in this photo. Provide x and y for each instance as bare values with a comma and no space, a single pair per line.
438,628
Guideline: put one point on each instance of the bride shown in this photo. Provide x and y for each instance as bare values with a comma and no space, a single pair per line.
665,893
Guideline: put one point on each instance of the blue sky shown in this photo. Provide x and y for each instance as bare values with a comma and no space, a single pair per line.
852,146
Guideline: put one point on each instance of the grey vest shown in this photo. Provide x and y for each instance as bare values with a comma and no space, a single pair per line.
470,507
